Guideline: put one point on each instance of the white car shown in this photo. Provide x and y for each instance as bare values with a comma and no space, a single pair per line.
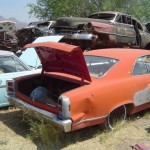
10,66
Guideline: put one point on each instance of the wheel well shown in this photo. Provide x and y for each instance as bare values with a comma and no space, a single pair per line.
147,46
129,108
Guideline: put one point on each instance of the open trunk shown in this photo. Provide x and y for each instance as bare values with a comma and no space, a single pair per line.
43,91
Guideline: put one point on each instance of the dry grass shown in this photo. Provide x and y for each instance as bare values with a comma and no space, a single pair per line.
35,135
42,132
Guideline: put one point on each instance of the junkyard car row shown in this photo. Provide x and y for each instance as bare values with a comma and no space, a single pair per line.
75,91
103,30
78,86
99,30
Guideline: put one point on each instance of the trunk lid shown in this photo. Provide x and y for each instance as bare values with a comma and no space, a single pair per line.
63,58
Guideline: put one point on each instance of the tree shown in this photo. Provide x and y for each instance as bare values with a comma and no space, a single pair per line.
52,9
137,8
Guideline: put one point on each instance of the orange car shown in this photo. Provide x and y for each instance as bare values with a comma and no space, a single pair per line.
76,90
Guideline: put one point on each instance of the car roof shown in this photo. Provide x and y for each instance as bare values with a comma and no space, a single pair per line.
4,52
109,12
119,53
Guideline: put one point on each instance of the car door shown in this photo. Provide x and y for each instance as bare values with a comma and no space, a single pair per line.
125,32
10,67
141,74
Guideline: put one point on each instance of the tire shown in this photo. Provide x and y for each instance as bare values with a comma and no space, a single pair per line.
119,114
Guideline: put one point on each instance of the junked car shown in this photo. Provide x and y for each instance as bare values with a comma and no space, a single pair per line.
10,66
8,39
76,90
106,29
44,25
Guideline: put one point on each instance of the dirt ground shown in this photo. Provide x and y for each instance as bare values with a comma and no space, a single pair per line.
14,135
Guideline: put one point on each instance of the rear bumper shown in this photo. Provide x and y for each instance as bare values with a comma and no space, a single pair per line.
77,36
38,113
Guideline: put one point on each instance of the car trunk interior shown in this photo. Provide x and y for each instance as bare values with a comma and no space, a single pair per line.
44,89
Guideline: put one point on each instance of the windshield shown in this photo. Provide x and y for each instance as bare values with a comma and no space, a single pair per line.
103,16
44,25
98,66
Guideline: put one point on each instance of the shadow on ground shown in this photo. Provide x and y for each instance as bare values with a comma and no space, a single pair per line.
148,130
14,120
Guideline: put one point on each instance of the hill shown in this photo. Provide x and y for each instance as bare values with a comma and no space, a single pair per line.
19,24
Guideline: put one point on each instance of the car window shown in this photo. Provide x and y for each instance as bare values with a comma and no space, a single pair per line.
10,64
140,67
98,66
146,60
104,16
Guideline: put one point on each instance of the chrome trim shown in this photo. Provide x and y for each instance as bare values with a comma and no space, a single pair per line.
2,86
92,119
65,113
82,36
110,33
36,112
91,36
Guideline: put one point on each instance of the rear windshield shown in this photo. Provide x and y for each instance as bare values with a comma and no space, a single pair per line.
103,16
98,66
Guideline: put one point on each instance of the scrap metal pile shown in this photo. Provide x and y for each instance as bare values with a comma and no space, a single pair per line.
14,39
99,30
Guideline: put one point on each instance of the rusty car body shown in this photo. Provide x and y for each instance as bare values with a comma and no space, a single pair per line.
103,30
8,38
14,39
76,90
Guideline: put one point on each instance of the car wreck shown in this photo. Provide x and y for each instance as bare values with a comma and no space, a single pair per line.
14,39
103,30
8,38
76,90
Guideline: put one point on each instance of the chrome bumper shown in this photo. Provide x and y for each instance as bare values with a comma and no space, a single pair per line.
77,36
39,113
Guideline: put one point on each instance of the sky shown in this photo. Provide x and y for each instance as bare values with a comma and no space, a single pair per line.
17,9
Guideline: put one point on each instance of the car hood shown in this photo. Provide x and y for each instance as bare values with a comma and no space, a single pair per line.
60,57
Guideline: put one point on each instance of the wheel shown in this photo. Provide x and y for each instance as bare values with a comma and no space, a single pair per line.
119,114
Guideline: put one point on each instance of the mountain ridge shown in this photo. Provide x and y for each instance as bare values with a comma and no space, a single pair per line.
19,24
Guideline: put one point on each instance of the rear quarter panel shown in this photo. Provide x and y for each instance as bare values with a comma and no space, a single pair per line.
90,104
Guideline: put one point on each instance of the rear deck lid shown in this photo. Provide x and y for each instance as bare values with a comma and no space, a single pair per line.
60,57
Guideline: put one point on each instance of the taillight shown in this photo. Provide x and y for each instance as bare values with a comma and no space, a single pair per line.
10,86
64,108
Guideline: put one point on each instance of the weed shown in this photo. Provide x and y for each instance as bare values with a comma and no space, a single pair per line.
3,142
43,132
